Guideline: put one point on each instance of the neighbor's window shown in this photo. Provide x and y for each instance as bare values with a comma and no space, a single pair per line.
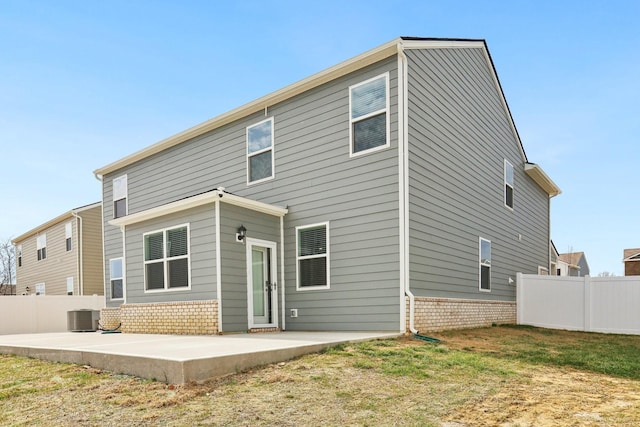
312,244
67,236
19,255
41,246
260,151
508,184
369,114
485,264
69,285
120,196
166,258
40,289
116,277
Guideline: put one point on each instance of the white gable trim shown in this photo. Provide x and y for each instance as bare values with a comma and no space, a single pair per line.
195,201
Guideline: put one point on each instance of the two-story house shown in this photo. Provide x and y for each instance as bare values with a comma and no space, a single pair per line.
62,256
389,192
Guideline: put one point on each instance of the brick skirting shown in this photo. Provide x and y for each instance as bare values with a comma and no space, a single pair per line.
439,314
176,318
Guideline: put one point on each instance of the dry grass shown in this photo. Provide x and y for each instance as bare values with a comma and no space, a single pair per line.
471,379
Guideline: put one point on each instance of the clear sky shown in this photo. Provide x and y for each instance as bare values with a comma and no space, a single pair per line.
84,83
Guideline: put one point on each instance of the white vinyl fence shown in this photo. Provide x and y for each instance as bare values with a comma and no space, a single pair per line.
595,304
31,314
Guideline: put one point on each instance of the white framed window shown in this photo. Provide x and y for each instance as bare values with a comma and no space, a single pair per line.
40,289
485,265
369,115
120,192
19,255
41,246
67,236
509,182
166,259
260,151
69,285
116,278
312,256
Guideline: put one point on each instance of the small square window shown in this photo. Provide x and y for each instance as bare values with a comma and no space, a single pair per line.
508,184
485,265
120,192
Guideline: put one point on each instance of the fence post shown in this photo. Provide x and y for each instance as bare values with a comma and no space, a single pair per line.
587,303
519,298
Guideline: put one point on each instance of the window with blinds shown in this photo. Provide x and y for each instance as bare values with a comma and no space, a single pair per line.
485,264
41,246
312,244
508,184
120,192
67,236
369,115
166,259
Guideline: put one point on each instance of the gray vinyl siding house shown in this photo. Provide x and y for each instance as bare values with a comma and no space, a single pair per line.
367,195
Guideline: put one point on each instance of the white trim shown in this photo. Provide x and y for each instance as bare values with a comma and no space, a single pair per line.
250,243
282,288
325,255
165,259
505,183
441,44
632,258
199,200
481,264
386,110
542,179
263,150
111,278
218,265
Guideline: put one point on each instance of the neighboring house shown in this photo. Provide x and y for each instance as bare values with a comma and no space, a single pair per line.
572,264
7,290
632,262
553,261
62,256
388,192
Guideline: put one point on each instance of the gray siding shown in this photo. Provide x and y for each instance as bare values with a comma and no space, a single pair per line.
317,180
459,136
234,260
202,249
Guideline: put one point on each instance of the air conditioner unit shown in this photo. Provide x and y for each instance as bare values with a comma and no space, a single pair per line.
84,320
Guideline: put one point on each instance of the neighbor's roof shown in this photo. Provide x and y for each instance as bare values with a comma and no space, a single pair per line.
379,53
54,221
571,258
632,254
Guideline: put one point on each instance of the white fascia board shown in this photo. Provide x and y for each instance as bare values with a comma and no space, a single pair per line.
542,179
372,56
632,258
195,201
442,44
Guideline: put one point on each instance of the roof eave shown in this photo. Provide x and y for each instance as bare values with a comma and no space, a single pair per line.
542,179
367,58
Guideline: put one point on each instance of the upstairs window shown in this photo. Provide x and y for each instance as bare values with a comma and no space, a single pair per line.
120,196
369,115
260,152
166,259
69,285
485,265
40,288
508,184
313,256
116,278
41,246
19,253
67,236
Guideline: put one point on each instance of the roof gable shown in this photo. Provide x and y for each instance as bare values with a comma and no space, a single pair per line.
631,255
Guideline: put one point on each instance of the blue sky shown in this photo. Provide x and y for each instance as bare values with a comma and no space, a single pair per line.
84,83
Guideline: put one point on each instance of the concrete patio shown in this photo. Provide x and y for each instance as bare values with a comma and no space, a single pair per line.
176,359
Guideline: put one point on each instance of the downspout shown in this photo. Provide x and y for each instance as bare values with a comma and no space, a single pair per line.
403,167
79,267
218,267
282,271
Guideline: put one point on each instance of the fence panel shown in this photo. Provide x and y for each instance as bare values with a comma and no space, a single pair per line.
580,303
30,314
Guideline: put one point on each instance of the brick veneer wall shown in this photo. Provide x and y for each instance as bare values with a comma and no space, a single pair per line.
110,317
439,314
176,318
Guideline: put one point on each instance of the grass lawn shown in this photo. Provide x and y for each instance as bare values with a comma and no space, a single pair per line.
511,376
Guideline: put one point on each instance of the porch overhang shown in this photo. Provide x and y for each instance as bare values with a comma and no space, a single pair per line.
542,179
199,200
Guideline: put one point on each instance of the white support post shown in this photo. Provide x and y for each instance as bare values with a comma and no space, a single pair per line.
587,303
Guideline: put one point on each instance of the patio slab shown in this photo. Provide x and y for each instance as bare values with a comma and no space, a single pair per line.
176,359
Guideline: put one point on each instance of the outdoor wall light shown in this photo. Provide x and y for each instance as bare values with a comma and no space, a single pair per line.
242,232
